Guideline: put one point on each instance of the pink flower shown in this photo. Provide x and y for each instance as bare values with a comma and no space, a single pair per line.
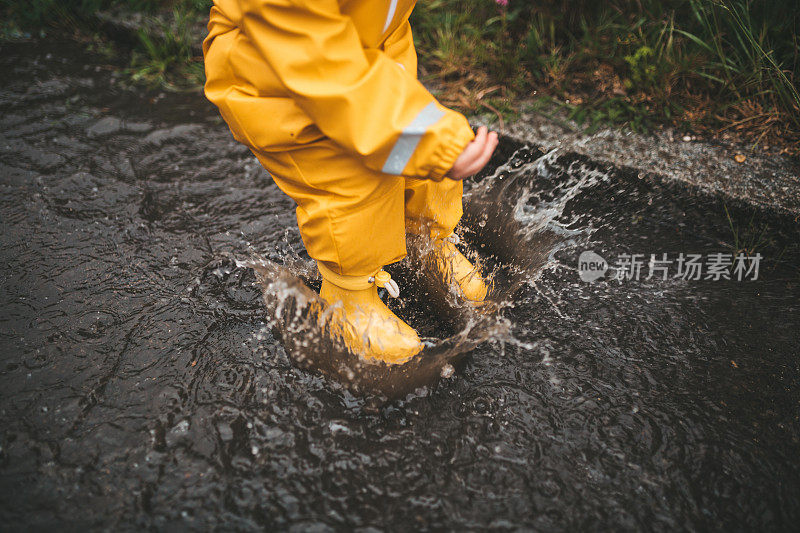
502,3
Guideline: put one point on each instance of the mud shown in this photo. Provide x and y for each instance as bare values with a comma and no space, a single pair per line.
148,382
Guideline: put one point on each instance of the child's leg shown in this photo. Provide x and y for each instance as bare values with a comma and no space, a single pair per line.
352,223
437,206
351,218
433,204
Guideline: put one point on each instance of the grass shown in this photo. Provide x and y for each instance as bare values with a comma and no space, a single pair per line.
726,68
720,67
748,238
166,54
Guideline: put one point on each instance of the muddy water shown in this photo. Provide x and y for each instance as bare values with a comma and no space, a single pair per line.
144,383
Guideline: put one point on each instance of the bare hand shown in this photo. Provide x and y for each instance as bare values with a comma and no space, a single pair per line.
475,155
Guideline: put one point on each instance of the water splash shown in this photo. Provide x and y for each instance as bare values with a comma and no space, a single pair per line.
513,228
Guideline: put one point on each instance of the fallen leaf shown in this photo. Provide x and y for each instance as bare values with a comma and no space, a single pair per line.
739,158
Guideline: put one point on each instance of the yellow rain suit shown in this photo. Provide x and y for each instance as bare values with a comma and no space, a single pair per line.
325,94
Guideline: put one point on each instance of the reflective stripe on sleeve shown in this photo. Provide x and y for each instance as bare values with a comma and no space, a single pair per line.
410,138
389,15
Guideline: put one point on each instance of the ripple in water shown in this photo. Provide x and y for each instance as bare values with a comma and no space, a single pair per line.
140,390
509,230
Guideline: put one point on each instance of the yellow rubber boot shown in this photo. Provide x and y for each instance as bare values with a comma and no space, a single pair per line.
369,328
453,266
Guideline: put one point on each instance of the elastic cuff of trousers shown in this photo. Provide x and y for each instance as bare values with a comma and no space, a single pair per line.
450,151
422,227
351,283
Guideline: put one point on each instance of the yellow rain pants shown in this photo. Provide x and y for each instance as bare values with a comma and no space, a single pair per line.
325,94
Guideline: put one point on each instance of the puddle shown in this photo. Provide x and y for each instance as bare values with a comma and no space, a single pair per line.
143,383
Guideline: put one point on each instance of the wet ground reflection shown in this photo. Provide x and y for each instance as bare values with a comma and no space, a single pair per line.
143,387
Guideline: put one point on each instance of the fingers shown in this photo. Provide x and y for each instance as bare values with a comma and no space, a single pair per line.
488,150
475,148
475,155
490,142
480,137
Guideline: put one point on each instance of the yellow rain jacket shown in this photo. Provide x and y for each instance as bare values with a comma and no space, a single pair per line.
291,72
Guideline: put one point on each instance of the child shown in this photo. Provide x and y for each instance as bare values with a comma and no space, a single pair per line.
325,94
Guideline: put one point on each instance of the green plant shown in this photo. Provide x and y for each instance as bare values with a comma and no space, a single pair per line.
166,48
643,68
747,239
754,51
722,66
